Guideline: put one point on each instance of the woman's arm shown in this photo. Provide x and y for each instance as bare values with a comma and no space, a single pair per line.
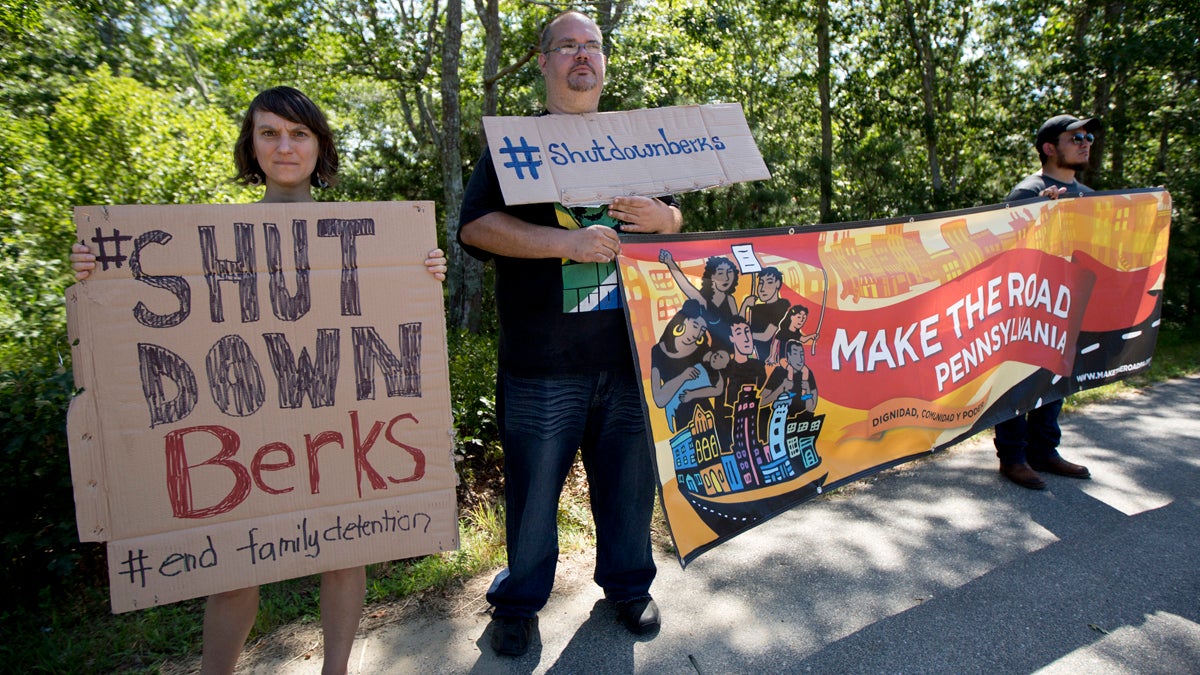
705,392
681,280
662,391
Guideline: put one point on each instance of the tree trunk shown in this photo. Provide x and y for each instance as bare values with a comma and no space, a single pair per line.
1164,137
608,14
1118,123
1109,97
1078,63
465,278
826,178
923,50
489,15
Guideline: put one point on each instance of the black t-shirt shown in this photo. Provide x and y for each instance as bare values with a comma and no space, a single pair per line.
780,374
777,377
738,375
764,314
1033,185
556,316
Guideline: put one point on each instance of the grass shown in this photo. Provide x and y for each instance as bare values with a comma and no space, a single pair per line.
69,632
1177,354
75,632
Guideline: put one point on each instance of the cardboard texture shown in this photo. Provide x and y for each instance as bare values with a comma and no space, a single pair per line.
582,160
914,334
264,395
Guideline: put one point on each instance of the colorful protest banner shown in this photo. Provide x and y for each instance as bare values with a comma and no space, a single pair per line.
264,394
779,364
587,159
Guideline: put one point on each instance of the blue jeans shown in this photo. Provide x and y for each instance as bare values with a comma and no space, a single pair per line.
1034,434
543,422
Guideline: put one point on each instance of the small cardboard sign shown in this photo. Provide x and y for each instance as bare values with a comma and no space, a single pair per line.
588,159
265,394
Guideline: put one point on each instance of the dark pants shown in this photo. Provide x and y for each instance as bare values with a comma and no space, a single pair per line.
543,423
1032,435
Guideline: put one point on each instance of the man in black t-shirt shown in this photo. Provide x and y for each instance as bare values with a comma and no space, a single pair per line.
1028,443
764,309
743,370
566,380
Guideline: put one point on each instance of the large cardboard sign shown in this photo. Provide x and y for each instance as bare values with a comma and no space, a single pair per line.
584,160
264,394
777,364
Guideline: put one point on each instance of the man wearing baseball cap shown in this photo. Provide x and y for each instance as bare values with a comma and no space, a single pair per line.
1028,443
1064,144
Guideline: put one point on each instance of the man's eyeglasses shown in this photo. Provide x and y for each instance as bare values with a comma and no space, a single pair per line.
593,48
1078,139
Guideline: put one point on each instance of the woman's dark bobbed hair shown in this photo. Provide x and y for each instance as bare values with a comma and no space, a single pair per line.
292,105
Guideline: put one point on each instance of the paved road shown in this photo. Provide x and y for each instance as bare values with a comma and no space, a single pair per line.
939,566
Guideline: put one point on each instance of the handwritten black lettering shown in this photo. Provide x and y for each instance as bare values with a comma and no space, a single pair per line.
296,377
178,563
288,307
234,378
241,270
347,230
401,374
178,286
156,363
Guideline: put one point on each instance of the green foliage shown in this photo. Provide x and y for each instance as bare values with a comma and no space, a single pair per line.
1177,354
17,17
143,146
73,632
39,546
473,402
31,268
481,534
109,140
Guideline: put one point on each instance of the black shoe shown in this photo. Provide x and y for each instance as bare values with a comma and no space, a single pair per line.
511,634
1060,466
1022,474
639,615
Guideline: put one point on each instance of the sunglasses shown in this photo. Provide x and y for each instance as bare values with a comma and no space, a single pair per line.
1078,139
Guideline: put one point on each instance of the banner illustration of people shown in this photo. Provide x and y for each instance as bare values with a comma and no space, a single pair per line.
777,364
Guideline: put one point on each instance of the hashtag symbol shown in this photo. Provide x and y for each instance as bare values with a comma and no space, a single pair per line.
528,163
103,257
135,566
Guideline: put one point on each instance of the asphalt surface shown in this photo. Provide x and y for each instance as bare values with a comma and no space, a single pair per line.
938,566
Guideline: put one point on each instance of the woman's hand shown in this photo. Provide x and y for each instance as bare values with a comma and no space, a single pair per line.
83,261
435,264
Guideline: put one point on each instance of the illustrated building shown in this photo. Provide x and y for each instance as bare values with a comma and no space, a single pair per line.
776,466
683,450
746,446
777,432
698,457
801,441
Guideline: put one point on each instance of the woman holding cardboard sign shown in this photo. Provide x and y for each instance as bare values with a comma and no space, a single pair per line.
285,144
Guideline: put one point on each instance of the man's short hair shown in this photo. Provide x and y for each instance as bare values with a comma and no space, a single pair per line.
547,39
771,272
1051,128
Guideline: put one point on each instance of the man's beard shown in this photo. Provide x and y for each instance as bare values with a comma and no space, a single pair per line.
582,82
1062,162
